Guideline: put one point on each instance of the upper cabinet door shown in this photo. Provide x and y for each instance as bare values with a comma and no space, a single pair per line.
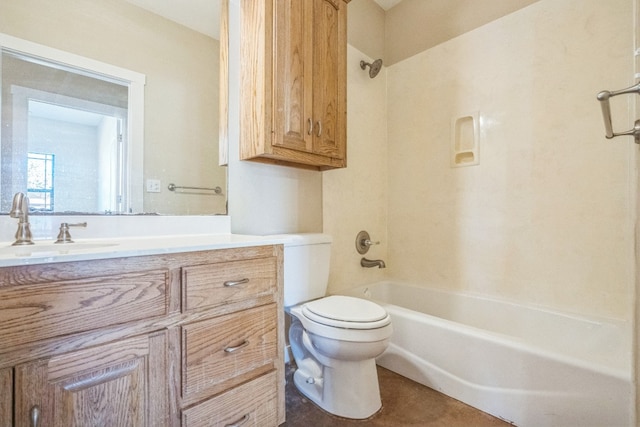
293,85
329,78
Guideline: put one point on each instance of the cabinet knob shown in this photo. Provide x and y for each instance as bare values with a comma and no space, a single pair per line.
35,416
319,123
310,124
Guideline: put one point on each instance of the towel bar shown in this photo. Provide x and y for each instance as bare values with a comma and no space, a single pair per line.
216,190
603,97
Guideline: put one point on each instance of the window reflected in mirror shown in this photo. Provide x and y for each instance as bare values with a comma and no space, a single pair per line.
65,137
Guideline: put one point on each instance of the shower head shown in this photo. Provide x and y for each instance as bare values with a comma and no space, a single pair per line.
374,68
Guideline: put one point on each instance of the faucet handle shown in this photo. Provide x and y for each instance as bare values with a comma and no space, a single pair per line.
64,236
364,242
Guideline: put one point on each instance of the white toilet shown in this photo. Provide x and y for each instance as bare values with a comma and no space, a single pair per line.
334,339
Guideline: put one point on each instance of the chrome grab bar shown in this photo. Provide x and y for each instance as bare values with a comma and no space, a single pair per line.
604,97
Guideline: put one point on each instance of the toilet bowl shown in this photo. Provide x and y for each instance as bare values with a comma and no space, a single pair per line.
336,355
335,339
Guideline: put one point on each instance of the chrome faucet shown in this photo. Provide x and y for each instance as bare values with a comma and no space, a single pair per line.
20,210
368,263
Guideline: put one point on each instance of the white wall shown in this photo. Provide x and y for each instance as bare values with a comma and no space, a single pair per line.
547,216
265,199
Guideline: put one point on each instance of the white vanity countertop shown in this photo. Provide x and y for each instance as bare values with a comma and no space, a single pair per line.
44,251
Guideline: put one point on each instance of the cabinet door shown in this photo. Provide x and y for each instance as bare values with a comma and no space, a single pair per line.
119,384
293,89
329,75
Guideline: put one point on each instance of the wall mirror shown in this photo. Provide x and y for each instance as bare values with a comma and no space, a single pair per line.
85,146
71,131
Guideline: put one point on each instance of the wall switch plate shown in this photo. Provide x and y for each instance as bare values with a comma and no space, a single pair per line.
153,186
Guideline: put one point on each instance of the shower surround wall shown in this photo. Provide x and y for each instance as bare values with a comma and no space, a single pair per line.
355,198
547,217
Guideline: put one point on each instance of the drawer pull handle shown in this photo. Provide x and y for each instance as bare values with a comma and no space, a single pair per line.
239,422
236,348
35,416
232,283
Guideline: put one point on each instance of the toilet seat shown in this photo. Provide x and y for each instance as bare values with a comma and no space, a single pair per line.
346,312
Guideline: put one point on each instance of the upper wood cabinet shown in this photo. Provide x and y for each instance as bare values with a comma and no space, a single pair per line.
293,82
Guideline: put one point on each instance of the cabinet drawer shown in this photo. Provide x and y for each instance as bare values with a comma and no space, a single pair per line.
221,283
219,349
251,404
33,312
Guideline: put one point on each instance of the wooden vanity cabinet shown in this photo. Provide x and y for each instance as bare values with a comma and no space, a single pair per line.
293,82
201,343
6,398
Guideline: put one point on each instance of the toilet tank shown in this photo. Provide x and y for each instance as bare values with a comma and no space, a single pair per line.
306,267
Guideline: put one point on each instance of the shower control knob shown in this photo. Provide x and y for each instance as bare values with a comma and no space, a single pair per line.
363,242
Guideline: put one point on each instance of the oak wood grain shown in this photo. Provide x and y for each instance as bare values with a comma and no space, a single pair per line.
215,284
293,87
6,399
158,406
293,83
329,101
207,355
128,367
34,312
254,401
255,77
223,100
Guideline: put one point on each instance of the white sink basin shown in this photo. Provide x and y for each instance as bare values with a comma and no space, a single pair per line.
42,249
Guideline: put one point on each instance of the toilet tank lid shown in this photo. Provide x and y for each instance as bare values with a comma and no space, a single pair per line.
303,239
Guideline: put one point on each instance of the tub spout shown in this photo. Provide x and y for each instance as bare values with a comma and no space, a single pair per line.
368,263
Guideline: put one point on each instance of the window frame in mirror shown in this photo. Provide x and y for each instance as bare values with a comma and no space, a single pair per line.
135,115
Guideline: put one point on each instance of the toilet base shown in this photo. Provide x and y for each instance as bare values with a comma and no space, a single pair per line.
348,389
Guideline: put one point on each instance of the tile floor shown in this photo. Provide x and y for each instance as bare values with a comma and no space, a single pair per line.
404,403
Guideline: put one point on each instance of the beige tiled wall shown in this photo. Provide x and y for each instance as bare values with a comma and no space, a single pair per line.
547,216
355,198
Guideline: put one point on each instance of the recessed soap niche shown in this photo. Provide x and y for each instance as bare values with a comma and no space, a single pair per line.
465,140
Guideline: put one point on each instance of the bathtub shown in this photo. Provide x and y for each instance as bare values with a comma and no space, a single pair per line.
528,366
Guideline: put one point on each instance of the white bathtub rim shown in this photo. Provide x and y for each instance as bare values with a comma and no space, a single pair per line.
594,319
513,343
621,370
